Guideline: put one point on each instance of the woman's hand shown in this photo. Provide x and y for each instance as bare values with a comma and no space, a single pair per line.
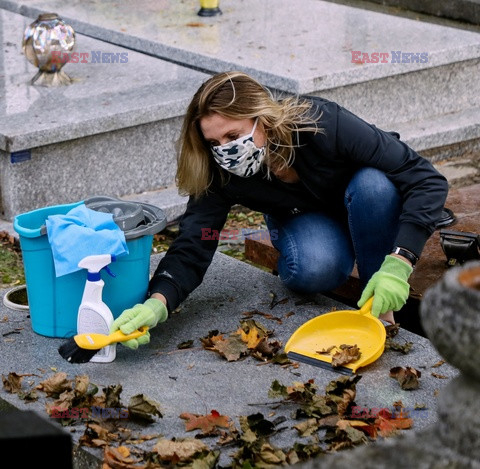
389,286
147,314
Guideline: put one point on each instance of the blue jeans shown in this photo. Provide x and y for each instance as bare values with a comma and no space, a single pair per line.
318,252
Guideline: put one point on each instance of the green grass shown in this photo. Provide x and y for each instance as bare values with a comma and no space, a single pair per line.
11,267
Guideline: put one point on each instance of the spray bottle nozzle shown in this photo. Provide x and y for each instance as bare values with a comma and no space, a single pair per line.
94,264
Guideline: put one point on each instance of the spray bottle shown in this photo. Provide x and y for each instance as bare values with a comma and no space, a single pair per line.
93,314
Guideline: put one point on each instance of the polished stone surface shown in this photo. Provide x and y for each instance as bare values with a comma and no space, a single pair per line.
292,46
115,163
195,380
104,96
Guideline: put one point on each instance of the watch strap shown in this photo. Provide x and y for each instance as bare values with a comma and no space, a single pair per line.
405,253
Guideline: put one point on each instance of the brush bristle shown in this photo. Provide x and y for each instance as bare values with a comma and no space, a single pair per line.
75,354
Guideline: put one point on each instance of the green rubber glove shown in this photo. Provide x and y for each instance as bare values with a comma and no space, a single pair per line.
148,314
389,286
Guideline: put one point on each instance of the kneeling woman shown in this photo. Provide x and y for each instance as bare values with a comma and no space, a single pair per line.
334,189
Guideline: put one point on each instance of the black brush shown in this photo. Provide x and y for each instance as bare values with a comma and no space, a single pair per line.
82,347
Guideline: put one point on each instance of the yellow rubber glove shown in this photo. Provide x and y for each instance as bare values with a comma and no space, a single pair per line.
148,314
389,286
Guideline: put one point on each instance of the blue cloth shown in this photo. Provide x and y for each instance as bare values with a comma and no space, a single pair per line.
82,232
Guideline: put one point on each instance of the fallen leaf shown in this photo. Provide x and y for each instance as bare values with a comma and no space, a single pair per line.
302,452
207,423
185,345
12,383
407,377
398,405
307,427
392,330
266,349
274,302
252,332
398,347
119,458
257,424
326,351
277,390
82,383
340,393
281,359
328,421
387,424
347,354
343,424
231,348
269,455
142,408
55,385
112,396
345,438
210,339
97,435
439,376
62,403
29,396
250,314
179,450
440,363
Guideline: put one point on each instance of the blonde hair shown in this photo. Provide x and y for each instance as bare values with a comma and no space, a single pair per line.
237,96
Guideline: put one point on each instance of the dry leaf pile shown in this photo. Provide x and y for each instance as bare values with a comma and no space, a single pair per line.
408,377
250,339
327,421
333,411
342,355
390,344
126,448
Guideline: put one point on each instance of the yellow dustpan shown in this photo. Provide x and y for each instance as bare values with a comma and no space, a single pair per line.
351,327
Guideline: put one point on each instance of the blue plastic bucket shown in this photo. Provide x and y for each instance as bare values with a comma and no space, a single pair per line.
54,301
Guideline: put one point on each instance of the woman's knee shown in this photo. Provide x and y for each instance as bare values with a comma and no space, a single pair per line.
372,187
309,276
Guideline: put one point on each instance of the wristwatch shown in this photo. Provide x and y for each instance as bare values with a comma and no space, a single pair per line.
405,253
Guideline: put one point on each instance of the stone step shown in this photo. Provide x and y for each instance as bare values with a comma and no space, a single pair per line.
116,125
308,60
449,139
459,10
168,199
111,132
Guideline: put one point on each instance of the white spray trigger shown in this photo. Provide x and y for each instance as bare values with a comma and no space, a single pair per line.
96,263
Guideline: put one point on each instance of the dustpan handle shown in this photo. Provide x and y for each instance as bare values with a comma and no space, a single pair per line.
367,307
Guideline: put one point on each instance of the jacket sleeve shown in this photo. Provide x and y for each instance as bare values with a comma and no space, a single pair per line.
422,187
183,267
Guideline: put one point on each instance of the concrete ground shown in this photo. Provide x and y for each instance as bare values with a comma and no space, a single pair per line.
196,380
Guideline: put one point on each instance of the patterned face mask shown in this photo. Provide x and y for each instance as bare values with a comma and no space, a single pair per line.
241,156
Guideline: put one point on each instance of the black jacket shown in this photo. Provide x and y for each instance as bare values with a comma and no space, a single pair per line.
325,164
